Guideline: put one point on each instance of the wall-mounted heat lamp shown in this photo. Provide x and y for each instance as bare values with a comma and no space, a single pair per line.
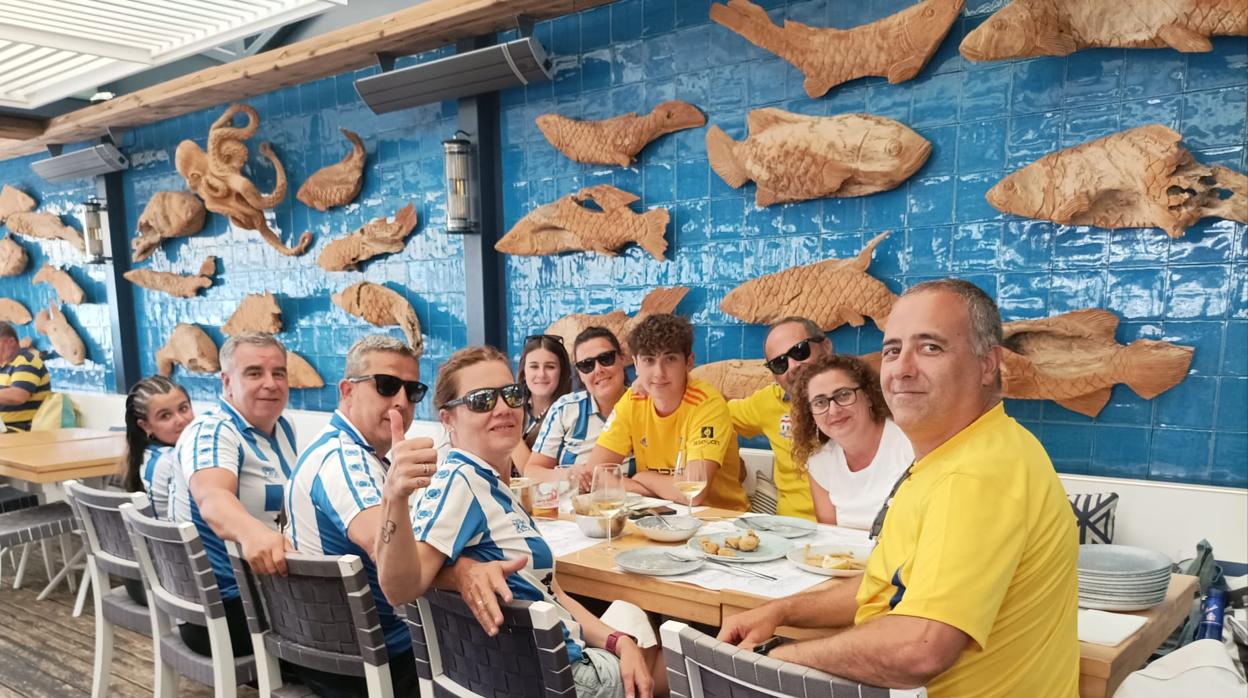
461,184
93,231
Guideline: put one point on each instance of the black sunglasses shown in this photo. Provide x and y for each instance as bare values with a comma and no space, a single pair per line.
797,352
606,358
540,337
388,386
484,399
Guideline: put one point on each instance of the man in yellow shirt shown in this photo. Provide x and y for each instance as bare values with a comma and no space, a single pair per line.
791,342
972,589
675,414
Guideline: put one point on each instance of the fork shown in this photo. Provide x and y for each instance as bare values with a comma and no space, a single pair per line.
729,565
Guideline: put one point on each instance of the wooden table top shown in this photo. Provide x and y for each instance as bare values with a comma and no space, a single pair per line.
85,453
34,438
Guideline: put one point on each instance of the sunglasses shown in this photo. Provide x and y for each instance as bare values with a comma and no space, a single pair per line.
843,397
388,386
540,337
484,399
606,358
797,352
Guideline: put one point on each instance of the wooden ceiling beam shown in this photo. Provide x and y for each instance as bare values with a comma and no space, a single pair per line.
15,129
426,26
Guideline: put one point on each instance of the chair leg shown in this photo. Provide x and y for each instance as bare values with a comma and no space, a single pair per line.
103,641
88,583
20,574
47,560
65,558
166,680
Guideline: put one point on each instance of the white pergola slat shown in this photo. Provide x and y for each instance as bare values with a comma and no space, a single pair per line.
52,49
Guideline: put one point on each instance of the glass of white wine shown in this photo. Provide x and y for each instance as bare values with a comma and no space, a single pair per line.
690,479
606,495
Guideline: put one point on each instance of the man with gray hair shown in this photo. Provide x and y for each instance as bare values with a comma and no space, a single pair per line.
972,588
24,381
233,463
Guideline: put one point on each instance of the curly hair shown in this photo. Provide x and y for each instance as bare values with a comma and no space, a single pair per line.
807,439
447,387
660,334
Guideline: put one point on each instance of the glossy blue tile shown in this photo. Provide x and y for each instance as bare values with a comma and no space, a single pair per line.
1069,446
1196,292
1214,117
1179,455
1187,405
943,158
1026,244
985,90
930,250
935,100
1230,460
1031,137
1233,405
970,202
1120,452
1023,296
1137,293
626,20
1235,353
981,146
1038,85
930,201
975,246
1153,73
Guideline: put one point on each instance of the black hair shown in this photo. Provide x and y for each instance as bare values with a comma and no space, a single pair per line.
137,440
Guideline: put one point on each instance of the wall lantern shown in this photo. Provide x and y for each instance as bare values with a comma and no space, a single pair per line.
461,184
93,232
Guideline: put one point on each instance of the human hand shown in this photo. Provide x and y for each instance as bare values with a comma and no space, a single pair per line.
749,629
412,461
483,584
638,683
265,550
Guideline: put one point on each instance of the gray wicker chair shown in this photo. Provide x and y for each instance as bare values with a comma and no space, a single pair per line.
39,524
321,615
180,585
110,553
454,656
699,666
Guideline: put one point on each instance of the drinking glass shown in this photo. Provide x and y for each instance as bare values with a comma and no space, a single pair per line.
690,479
606,493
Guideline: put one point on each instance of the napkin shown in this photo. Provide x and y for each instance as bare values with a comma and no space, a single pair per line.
1105,628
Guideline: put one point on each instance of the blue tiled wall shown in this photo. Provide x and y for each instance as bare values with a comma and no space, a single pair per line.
404,165
984,120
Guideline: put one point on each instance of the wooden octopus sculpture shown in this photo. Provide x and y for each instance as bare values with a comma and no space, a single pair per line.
217,177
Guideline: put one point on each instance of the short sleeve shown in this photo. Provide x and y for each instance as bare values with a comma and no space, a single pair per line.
211,444
554,429
616,434
745,417
708,431
350,483
448,515
954,579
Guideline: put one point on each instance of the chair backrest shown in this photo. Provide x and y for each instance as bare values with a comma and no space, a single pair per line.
321,615
176,570
699,666
108,541
527,657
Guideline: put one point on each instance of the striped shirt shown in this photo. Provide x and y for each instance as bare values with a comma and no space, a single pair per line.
222,438
571,430
337,477
467,510
25,371
158,477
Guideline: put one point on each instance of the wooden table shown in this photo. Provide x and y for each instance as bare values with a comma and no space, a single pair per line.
60,454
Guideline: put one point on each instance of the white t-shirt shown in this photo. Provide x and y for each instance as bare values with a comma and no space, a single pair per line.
859,496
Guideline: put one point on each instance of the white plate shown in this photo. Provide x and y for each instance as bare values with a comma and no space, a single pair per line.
1121,561
860,552
770,547
655,561
1116,606
787,526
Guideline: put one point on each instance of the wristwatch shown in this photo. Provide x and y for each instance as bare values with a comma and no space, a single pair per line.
614,638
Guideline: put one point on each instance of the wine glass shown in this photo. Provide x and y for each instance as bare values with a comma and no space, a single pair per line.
690,479
606,494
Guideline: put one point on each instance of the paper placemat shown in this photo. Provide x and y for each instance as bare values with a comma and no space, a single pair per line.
565,537
1105,628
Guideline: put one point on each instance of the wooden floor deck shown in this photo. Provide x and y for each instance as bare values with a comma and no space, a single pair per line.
46,652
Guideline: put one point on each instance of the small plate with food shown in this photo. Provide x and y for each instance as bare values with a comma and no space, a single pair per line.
741,546
787,526
831,559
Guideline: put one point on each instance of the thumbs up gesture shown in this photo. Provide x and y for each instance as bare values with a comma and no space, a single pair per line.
412,461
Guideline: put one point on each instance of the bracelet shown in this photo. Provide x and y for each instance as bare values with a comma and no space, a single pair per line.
613,640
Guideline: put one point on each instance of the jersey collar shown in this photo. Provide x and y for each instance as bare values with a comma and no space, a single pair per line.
340,422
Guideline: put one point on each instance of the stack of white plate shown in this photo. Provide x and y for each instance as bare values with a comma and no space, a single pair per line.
1122,578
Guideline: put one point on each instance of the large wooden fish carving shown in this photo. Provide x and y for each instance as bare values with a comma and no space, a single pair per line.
792,157
14,312
14,200
168,214
48,226
381,306
177,285
378,236
1141,178
617,141
1061,27
741,378
660,301
831,293
192,348
67,290
337,184
52,323
567,225
1074,360
13,259
896,47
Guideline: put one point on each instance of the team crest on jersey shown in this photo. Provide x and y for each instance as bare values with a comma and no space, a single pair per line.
708,432
521,524
643,442
786,427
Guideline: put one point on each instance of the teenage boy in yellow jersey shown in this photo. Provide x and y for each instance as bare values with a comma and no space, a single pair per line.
972,588
676,413
790,343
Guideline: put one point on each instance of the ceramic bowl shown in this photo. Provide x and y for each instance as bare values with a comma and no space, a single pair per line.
676,530
596,526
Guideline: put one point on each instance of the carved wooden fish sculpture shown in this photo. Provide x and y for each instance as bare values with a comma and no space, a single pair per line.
1141,178
617,141
300,373
741,378
52,323
177,285
792,157
1061,27
14,312
14,200
382,307
168,214
67,290
47,226
660,301
378,236
337,184
258,312
896,47
1074,360
831,293
567,225
191,347
13,259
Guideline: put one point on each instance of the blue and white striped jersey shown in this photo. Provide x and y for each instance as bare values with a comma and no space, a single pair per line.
570,431
221,438
467,510
158,477
338,476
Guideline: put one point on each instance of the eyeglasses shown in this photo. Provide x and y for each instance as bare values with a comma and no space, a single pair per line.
388,386
606,358
540,337
843,397
878,525
797,352
484,399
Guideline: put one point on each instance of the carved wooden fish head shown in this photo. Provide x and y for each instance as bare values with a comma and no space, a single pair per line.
675,114
932,22
893,147
743,301
1022,28
523,236
1023,192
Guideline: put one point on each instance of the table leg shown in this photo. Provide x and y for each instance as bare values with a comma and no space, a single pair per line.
69,566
